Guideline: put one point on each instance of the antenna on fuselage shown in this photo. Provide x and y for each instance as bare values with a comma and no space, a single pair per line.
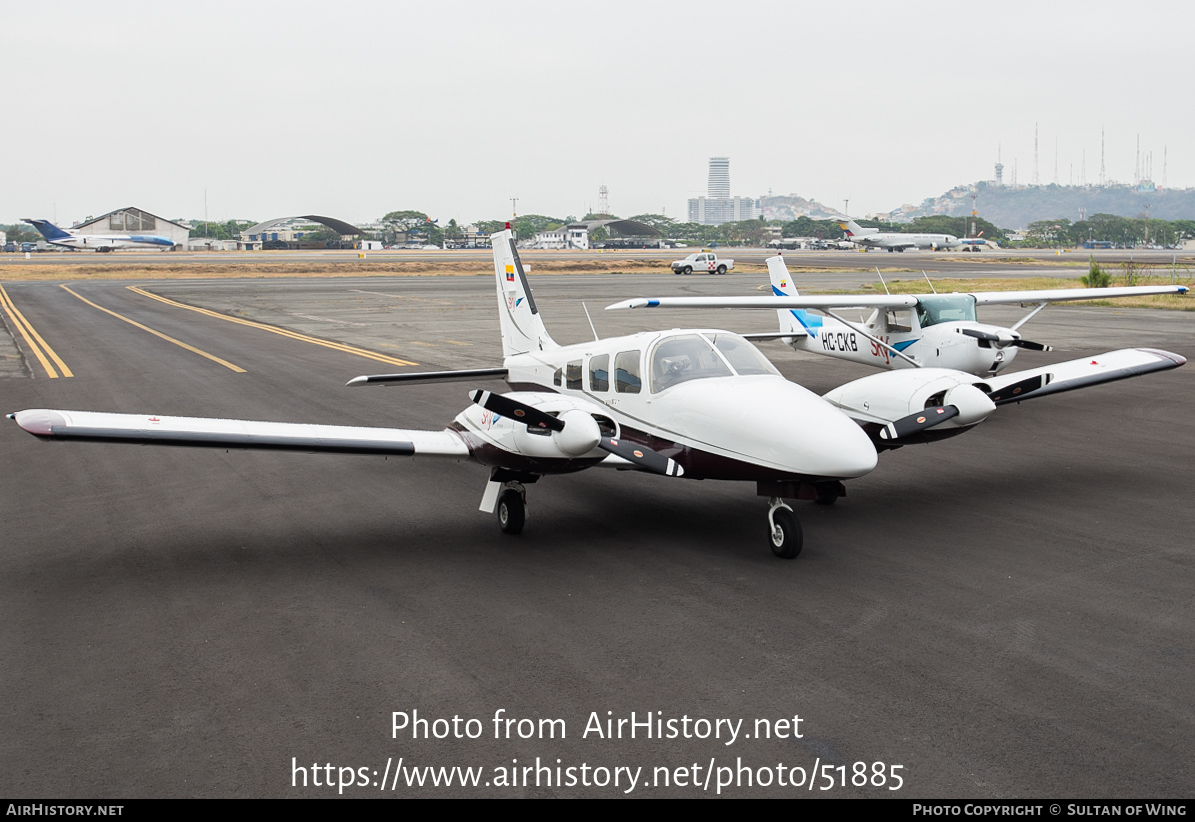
594,330
927,279
881,276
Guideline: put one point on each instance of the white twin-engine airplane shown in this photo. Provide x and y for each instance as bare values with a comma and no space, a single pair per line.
903,330
692,403
98,242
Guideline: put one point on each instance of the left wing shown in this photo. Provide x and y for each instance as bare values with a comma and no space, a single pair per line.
818,301
201,431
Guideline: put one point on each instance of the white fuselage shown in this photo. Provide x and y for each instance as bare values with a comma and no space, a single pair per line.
899,242
724,414
109,242
927,333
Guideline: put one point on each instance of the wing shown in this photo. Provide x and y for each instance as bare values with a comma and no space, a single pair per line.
1067,376
1064,294
216,433
773,303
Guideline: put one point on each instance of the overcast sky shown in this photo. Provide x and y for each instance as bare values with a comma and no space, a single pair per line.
353,109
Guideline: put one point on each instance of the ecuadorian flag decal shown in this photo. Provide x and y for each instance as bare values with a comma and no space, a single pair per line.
510,273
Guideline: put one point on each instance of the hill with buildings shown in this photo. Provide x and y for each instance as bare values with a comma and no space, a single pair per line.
793,206
1015,207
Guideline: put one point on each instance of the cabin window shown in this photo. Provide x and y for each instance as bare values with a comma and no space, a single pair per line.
626,372
572,375
683,358
599,373
898,320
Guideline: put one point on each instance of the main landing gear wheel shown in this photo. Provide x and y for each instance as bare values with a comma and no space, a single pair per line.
512,512
784,532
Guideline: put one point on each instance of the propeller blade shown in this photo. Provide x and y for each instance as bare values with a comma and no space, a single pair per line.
979,335
915,423
515,410
1031,346
1017,390
641,456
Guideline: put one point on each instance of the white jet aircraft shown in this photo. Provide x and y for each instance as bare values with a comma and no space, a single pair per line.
692,403
903,330
98,242
868,238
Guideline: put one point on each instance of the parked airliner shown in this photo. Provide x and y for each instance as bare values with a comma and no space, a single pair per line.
98,242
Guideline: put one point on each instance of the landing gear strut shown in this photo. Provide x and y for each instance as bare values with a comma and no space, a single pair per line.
784,532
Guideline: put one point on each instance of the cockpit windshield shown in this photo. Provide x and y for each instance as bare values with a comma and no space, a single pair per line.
691,357
945,308
743,357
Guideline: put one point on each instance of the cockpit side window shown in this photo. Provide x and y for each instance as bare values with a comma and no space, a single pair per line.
683,358
898,320
626,372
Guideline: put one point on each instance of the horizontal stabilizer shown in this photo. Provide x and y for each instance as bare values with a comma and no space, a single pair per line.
466,375
773,303
776,335
1067,376
217,433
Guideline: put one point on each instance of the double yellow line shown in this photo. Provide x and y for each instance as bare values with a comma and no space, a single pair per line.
179,343
294,335
36,344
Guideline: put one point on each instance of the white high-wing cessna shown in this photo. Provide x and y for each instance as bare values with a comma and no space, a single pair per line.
693,403
904,330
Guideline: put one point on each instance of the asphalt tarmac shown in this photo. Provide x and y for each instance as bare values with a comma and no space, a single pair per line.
1005,614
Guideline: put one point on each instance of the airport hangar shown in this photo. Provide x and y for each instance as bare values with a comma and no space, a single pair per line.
132,220
281,232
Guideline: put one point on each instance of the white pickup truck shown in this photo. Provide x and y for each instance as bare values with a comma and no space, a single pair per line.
702,261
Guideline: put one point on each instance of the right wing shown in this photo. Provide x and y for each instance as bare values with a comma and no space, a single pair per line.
216,433
1064,294
1101,368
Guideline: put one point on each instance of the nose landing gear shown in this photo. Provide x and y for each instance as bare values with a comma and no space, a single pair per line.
784,532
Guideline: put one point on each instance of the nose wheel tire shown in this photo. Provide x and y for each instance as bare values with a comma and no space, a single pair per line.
512,512
785,534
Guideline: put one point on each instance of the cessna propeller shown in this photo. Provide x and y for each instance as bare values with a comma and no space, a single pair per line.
1004,340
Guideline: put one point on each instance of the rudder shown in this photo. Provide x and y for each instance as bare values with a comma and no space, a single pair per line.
522,326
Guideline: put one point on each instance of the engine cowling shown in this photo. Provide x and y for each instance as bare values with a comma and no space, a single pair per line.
973,405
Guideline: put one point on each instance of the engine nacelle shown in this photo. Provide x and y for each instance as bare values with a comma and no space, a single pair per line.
580,435
891,395
584,425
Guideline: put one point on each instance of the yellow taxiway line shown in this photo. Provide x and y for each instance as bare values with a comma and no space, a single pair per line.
294,335
179,343
30,334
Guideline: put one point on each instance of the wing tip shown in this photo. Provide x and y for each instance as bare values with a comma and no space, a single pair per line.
1177,359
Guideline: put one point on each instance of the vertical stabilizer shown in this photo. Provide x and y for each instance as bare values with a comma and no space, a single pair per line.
522,326
854,230
797,321
48,230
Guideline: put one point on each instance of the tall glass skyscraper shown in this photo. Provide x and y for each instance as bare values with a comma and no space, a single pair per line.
719,187
719,207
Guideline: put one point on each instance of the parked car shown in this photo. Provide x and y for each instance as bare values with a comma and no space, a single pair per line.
27,247
10,247
702,261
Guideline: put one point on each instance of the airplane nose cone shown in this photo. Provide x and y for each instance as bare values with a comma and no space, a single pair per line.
772,422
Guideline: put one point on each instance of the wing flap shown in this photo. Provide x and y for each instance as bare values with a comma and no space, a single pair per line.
1068,376
219,433
1065,294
